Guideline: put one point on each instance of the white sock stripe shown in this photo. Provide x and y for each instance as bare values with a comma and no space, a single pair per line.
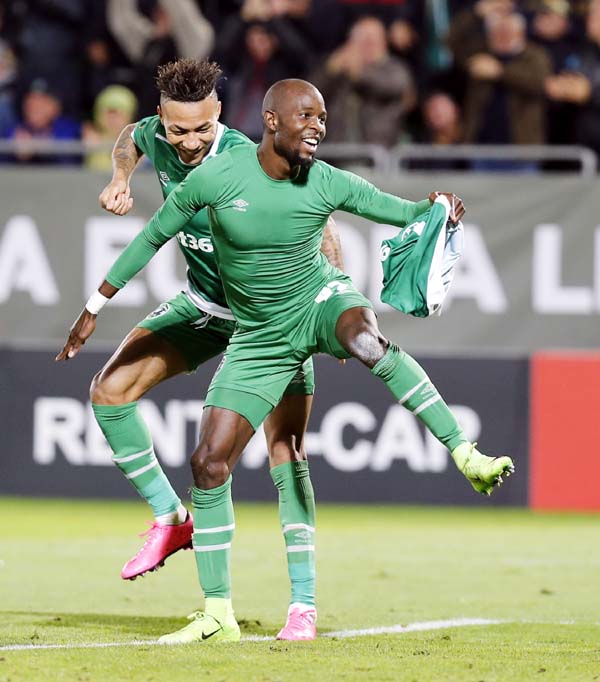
215,529
143,470
297,526
129,458
413,390
427,403
301,548
212,548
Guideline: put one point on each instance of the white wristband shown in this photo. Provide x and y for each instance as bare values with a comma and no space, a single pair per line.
96,302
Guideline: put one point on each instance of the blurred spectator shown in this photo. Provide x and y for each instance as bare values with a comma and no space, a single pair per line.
388,11
553,29
217,12
582,87
8,70
505,101
320,24
114,108
405,22
441,125
47,36
42,119
153,32
441,120
467,34
105,62
368,92
255,51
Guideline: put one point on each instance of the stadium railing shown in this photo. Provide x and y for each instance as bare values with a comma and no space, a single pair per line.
560,157
404,157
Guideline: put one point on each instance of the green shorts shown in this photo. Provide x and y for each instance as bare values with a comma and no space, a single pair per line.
199,336
260,363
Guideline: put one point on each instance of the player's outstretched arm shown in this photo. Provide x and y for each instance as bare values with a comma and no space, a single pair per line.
457,208
85,325
362,198
116,196
331,245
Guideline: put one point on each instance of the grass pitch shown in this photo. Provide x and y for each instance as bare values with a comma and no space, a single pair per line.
536,575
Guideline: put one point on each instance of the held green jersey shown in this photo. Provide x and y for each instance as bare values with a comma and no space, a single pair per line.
204,283
267,233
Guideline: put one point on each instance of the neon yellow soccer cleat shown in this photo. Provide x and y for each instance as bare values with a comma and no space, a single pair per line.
204,627
481,471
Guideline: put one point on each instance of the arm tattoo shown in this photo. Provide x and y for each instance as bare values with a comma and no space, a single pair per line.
331,246
125,154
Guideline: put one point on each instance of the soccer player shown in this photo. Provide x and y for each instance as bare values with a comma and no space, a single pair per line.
288,303
193,327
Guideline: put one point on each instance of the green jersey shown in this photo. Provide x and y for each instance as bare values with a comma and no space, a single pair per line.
204,288
267,233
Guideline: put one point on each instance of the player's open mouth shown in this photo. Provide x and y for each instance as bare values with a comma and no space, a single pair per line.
311,143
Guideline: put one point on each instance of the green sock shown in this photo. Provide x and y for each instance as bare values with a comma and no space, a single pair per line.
297,516
213,530
133,452
407,380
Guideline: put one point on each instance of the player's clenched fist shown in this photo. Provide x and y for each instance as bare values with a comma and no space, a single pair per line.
457,208
116,197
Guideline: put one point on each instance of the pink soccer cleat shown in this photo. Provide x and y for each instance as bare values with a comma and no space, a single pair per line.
162,541
301,624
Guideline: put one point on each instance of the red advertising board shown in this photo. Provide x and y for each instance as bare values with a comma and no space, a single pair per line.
565,431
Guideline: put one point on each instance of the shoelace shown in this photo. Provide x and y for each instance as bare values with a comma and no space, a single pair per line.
200,615
306,617
473,446
151,535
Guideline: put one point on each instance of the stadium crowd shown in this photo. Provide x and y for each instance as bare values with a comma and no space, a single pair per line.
436,71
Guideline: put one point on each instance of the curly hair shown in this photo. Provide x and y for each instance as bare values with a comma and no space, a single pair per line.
188,79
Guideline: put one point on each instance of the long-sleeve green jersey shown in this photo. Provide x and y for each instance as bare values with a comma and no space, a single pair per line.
194,239
267,233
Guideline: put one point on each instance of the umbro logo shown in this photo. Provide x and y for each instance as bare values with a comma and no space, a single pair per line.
302,535
240,205
164,178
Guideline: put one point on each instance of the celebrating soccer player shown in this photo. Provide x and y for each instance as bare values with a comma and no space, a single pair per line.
268,208
188,330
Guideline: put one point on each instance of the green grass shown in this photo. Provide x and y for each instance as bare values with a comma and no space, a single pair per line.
377,566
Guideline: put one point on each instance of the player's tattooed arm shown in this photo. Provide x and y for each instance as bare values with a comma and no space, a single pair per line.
116,196
331,245
126,154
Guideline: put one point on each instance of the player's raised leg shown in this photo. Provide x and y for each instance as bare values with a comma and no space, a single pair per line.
356,330
284,429
224,435
143,360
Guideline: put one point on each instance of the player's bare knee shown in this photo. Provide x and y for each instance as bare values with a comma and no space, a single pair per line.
367,344
98,393
209,468
103,391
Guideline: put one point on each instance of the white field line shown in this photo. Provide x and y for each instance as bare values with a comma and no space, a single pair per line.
424,626
392,629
